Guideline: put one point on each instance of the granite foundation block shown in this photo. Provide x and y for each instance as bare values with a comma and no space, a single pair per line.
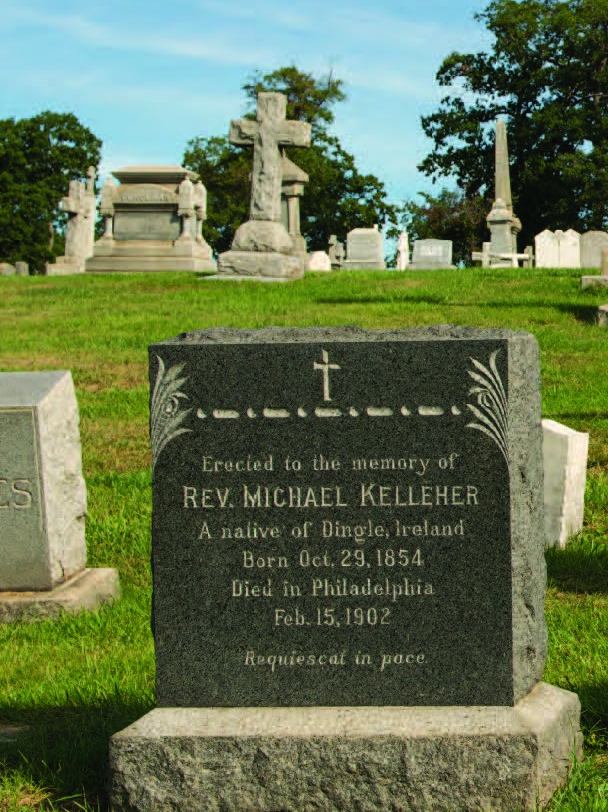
365,759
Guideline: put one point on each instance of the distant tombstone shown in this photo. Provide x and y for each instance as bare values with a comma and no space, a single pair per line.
529,253
43,501
403,252
22,269
565,470
79,205
319,261
546,249
262,248
429,255
292,189
6,269
364,250
559,249
592,243
569,248
153,222
336,252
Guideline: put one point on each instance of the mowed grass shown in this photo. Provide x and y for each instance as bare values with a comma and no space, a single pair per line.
74,682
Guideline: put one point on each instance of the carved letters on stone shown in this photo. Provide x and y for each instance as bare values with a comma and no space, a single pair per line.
145,193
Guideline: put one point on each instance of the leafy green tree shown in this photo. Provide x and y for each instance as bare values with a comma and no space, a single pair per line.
39,156
448,216
546,74
337,198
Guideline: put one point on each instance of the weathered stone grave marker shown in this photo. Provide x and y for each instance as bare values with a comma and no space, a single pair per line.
364,250
428,255
262,249
348,576
43,502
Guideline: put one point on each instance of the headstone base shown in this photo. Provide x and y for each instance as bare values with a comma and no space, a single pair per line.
149,256
368,758
256,265
427,266
361,265
588,281
85,591
65,266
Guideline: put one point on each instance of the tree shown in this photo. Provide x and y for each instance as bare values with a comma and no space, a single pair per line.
448,216
39,156
338,197
547,75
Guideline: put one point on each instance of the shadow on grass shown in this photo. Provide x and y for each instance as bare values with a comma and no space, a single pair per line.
587,314
582,566
65,749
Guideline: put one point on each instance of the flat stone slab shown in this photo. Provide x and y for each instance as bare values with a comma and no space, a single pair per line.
85,591
366,759
588,281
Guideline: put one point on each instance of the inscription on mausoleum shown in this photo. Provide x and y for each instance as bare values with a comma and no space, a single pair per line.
331,523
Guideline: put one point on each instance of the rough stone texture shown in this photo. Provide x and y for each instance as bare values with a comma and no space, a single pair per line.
335,252
431,254
42,491
6,269
364,759
263,235
492,655
256,265
85,591
565,470
364,250
153,222
319,261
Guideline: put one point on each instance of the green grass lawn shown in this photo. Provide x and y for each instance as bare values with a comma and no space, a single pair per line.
77,681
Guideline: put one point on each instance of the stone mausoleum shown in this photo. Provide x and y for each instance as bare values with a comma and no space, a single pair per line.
153,222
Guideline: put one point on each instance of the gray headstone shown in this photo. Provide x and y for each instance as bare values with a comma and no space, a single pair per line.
431,254
6,269
22,269
364,250
592,243
345,517
42,491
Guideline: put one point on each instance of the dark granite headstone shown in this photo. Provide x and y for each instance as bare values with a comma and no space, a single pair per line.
347,517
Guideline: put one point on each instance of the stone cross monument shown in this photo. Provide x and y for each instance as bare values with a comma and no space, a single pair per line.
79,205
503,224
262,248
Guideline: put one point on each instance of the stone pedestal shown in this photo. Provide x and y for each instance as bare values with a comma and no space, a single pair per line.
376,759
261,249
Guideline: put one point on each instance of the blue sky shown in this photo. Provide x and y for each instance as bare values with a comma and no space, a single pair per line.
147,75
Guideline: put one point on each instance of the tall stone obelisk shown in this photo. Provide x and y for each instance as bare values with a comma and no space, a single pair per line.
503,224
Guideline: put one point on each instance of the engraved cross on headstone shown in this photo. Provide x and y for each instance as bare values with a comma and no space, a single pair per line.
325,367
268,133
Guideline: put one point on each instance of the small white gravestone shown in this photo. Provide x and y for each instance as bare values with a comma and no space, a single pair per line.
565,470
403,252
43,501
569,248
364,250
546,249
319,261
